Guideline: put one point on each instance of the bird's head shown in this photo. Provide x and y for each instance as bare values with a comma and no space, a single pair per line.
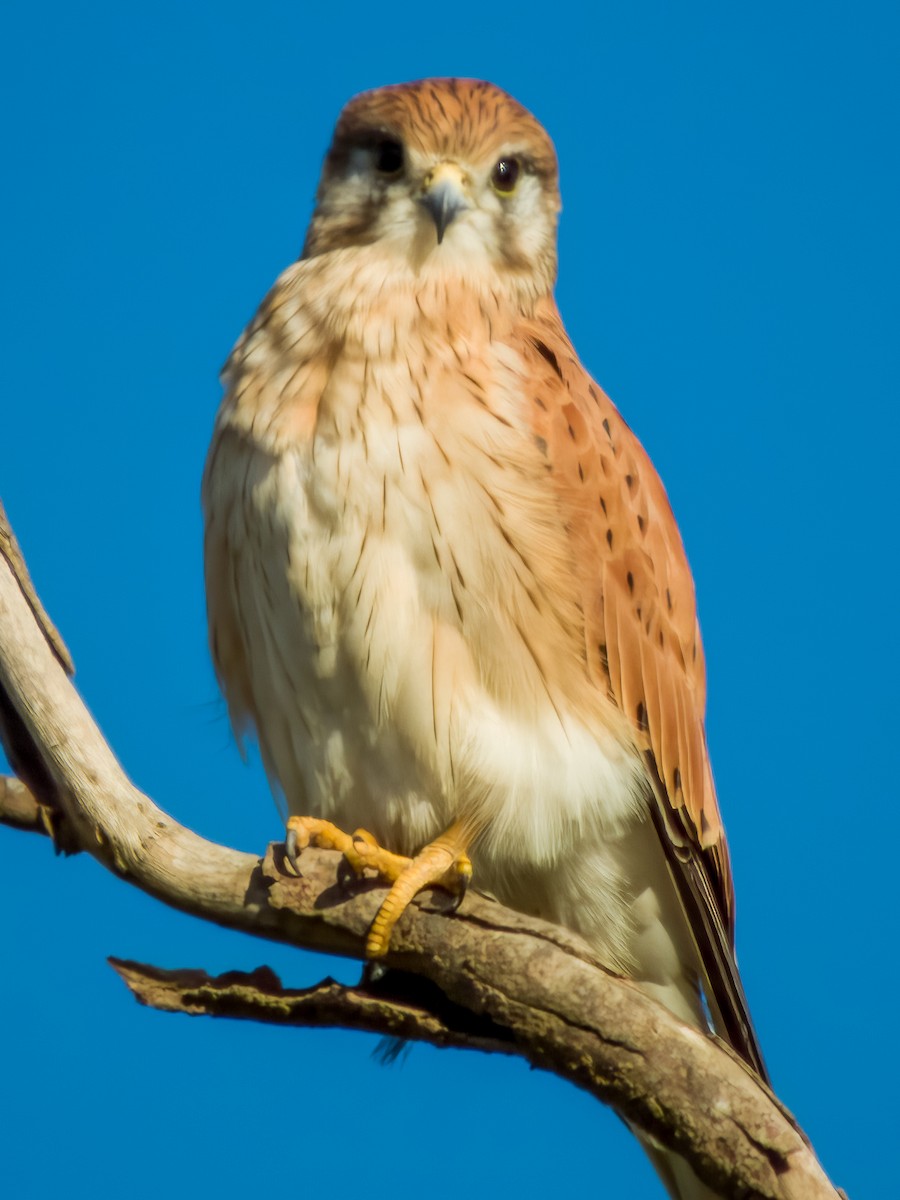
451,174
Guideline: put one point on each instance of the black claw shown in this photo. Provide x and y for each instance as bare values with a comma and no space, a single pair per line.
346,876
373,973
291,853
460,895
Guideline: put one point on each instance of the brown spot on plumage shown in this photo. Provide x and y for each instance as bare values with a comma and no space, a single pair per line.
547,354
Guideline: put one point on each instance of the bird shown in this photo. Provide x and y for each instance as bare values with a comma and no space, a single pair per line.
445,587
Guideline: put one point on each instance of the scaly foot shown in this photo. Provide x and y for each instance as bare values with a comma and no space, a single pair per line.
360,850
442,863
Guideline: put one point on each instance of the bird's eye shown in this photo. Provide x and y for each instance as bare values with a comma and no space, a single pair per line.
388,157
505,175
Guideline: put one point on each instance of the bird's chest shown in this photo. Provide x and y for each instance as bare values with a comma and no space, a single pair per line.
399,481
366,585
414,639
400,559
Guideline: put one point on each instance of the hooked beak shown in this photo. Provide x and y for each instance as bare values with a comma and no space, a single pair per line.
444,195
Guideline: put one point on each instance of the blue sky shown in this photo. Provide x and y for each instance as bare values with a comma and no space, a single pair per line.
729,266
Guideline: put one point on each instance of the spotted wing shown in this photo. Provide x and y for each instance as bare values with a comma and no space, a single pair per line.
642,639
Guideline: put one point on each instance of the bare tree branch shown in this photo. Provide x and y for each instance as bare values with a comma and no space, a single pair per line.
9,549
488,977
19,808
259,996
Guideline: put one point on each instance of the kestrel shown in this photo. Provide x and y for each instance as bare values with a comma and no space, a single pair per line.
445,585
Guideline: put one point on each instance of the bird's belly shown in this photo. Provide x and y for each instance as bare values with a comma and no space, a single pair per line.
375,708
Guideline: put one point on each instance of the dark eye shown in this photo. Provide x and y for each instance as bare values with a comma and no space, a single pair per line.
505,175
388,157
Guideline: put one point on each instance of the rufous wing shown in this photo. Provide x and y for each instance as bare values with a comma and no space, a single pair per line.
642,638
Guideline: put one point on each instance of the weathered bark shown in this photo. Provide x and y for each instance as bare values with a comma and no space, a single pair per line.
394,1004
484,977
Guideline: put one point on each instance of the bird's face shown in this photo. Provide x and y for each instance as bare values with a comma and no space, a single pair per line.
448,174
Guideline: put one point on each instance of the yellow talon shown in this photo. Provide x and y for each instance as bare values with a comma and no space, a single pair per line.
366,854
442,863
311,831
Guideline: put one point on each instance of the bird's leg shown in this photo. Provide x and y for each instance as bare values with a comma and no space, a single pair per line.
442,863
